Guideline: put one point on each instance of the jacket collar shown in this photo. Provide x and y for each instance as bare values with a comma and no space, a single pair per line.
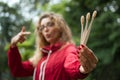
45,50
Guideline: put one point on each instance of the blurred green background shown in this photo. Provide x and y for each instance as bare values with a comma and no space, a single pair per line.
104,39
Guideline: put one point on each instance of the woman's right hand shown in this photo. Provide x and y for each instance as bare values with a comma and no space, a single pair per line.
87,58
20,37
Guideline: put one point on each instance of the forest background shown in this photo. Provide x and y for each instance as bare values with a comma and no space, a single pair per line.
104,39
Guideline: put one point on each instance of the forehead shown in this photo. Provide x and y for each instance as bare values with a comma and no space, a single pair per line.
45,20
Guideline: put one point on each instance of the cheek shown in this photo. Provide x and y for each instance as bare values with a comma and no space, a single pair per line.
56,33
43,34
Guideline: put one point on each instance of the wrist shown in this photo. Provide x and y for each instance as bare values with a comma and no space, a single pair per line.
13,44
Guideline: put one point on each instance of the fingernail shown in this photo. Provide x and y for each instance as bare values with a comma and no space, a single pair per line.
78,51
82,46
79,47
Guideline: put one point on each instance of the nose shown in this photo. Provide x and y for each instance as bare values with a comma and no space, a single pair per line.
46,29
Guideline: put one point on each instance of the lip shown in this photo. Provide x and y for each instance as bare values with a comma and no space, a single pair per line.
47,35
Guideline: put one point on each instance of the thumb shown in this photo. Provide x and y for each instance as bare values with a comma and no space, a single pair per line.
23,29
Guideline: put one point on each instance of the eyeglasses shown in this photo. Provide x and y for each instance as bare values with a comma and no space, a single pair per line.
49,24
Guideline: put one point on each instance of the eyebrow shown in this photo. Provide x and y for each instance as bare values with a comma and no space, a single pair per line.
47,23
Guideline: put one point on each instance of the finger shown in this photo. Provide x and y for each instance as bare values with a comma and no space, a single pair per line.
23,29
82,70
87,61
86,56
21,36
92,56
84,62
87,69
78,49
94,65
89,54
22,40
26,33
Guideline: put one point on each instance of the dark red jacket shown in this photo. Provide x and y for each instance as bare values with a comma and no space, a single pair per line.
63,64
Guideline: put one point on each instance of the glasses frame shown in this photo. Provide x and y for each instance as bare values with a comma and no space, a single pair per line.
47,25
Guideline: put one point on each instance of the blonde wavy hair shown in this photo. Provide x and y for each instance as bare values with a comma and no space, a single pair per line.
64,29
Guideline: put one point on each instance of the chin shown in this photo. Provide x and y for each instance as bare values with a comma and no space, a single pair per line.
49,41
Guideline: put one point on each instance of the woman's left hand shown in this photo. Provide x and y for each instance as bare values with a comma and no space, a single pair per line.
87,59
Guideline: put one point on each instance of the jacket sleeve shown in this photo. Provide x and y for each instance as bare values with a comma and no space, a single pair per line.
17,67
72,64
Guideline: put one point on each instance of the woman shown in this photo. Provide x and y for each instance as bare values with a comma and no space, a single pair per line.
56,57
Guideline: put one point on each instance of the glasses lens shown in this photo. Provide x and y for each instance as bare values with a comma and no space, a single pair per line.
49,24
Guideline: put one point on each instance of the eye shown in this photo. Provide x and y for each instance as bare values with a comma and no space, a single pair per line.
50,24
41,27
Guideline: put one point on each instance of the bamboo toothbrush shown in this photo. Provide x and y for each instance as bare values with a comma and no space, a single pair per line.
85,31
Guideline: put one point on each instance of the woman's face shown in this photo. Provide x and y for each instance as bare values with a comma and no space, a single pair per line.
49,30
